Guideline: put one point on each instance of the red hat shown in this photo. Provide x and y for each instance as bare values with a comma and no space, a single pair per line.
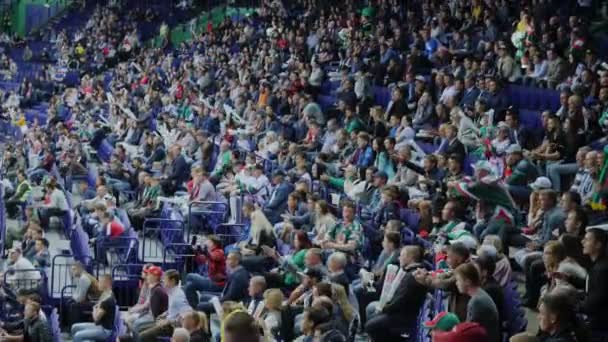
154,270
463,332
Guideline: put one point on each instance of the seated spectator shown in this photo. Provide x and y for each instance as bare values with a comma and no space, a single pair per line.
196,323
522,172
42,258
20,272
290,265
260,234
558,319
212,256
35,327
157,301
594,305
235,288
55,204
492,247
180,335
553,218
399,313
177,306
336,263
277,202
143,301
457,254
303,294
86,292
31,221
273,304
21,195
103,316
147,204
323,221
486,266
240,327
345,236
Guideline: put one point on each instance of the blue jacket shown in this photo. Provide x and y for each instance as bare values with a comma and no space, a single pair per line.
277,203
365,157
469,97
236,286
179,170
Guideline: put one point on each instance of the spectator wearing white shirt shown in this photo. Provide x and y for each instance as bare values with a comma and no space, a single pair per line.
18,276
178,307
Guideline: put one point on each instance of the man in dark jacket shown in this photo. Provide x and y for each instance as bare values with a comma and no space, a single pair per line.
35,329
178,173
595,305
236,288
277,203
391,320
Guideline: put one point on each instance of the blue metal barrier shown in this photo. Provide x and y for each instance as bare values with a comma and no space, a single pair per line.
230,233
2,219
61,273
175,254
166,230
125,283
214,213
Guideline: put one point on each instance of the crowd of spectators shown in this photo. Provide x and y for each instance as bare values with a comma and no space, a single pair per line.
276,117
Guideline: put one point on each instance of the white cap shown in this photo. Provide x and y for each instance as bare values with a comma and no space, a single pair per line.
541,183
603,227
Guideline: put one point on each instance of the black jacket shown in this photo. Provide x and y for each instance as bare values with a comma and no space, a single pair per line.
236,286
37,330
596,303
409,296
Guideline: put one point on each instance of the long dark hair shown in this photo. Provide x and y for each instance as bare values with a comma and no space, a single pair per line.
305,242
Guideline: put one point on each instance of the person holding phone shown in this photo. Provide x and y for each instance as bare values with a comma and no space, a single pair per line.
212,255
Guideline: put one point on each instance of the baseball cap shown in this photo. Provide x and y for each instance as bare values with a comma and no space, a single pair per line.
602,227
541,183
463,332
420,78
444,321
154,270
515,148
15,250
463,237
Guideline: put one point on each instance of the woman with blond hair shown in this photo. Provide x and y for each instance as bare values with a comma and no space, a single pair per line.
261,234
345,311
273,305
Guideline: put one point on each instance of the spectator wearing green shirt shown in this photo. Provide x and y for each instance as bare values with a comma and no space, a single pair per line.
20,196
522,173
347,235
351,122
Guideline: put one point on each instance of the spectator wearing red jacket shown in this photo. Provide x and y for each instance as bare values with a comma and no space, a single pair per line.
212,254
